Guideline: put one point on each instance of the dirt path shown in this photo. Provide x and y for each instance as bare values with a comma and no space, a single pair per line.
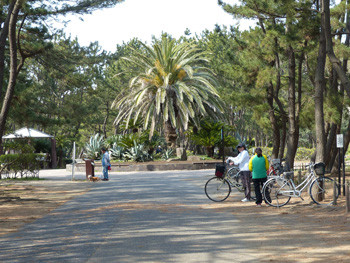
298,232
24,202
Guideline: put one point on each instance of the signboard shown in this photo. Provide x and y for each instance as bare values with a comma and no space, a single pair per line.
340,141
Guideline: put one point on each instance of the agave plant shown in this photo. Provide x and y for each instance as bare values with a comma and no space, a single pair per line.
137,153
93,147
168,153
117,152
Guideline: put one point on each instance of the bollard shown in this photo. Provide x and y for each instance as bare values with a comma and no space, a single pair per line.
335,191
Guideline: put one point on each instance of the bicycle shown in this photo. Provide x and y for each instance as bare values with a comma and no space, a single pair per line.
277,168
277,191
219,187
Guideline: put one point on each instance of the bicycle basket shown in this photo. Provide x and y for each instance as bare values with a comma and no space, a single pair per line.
275,161
219,170
320,168
276,164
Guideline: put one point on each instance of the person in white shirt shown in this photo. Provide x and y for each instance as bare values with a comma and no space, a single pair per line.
242,160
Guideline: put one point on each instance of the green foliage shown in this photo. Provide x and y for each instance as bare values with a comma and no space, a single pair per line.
209,135
170,85
93,147
168,153
154,142
117,152
20,163
114,139
303,154
134,146
19,145
137,153
129,140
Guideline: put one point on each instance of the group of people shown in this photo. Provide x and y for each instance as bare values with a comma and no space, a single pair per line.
254,168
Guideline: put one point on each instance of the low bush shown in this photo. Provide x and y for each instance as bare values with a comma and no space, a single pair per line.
137,153
20,163
301,155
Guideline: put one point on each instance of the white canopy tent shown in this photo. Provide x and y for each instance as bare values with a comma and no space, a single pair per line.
32,133
27,133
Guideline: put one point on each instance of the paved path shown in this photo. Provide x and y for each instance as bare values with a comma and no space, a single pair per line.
135,217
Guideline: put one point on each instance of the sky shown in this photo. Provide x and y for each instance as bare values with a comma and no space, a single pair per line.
146,18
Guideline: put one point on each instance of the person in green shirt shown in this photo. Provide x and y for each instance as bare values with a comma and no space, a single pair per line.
258,165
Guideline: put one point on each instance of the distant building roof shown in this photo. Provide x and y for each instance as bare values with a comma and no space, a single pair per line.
27,133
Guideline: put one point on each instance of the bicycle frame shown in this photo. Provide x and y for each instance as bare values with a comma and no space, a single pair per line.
298,189
231,179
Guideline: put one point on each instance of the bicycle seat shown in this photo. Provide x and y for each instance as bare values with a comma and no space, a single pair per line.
288,175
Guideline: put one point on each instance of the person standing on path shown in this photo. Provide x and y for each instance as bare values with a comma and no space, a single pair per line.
258,164
105,163
242,160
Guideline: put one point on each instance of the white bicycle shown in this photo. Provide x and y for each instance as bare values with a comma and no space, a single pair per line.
278,190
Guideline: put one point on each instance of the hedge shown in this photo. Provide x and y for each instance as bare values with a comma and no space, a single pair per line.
23,164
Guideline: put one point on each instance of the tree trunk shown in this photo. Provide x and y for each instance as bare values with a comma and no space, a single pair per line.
334,157
275,127
319,89
14,68
170,134
3,37
326,24
292,141
210,151
283,135
105,121
53,154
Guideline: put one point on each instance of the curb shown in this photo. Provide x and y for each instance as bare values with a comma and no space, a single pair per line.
80,167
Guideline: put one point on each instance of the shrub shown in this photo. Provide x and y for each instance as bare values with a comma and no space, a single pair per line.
19,146
302,153
117,152
93,147
137,153
20,163
167,154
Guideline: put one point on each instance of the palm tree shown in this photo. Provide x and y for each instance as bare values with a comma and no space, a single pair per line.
170,88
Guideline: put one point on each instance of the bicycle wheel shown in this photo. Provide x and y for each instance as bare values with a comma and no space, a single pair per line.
233,171
217,189
276,191
271,174
322,191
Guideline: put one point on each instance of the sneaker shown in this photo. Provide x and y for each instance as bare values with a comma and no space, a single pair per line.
245,200
258,205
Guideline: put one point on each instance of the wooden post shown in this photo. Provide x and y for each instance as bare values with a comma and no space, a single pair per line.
335,191
299,177
53,154
347,199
